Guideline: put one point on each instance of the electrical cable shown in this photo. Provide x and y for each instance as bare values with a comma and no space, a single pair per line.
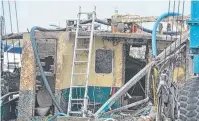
177,19
168,18
8,66
182,20
16,13
173,16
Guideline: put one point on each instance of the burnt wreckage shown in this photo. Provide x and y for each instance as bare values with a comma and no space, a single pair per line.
84,72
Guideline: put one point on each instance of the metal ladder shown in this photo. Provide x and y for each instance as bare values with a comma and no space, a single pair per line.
78,38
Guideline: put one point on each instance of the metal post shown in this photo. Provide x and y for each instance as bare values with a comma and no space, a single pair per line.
1,41
194,35
2,54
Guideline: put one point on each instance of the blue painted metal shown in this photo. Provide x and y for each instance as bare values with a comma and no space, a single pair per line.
194,34
196,64
17,50
96,94
154,45
194,25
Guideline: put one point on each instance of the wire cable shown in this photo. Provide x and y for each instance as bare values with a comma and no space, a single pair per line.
10,14
8,66
182,20
173,16
16,14
177,19
168,17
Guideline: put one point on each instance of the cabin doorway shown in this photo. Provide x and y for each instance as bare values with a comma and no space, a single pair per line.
134,62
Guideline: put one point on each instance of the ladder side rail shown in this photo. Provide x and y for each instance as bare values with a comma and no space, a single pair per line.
74,58
89,61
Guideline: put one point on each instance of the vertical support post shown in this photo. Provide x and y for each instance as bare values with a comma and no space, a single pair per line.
196,64
1,41
194,35
27,82
1,52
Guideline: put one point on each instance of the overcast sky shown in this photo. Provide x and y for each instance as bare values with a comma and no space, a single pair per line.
42,13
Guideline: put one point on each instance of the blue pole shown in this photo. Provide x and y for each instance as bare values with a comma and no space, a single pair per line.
194,35
165,15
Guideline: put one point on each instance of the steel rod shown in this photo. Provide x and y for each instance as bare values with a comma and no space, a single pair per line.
128,106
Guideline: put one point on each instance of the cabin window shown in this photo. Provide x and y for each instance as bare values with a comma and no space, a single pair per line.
103,61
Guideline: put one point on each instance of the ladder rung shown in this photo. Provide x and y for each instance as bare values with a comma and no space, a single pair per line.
77,99
79,74
93,30
78,62
91,104
82,49
78,86
76,112
77,103
86,13
83,37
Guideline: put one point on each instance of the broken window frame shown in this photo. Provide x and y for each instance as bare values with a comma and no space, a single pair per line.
112,61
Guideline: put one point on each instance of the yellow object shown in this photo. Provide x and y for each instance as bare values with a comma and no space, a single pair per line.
47,117
155,73
154,79
178,74
154,93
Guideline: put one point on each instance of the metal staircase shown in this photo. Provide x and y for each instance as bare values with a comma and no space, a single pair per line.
83,101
